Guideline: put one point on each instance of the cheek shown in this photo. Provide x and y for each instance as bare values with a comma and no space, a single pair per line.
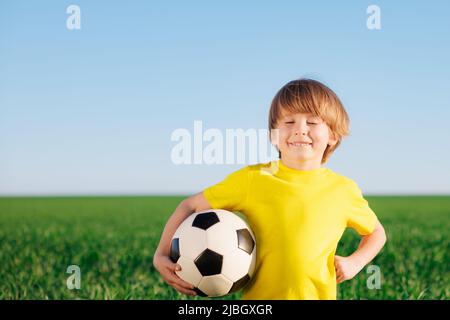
281,138
284,134
320,135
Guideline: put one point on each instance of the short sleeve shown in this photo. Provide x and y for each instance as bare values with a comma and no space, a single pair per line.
231,193
360,215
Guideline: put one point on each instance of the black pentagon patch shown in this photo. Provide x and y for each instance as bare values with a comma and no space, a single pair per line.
175,250
205,220
245,240
238,285
200,292
209,263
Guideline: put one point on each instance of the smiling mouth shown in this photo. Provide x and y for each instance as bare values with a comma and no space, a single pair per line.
299,144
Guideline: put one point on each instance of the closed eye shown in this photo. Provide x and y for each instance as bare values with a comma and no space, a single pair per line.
289,122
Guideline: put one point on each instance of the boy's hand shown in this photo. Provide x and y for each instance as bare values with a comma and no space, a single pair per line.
346,268
167,270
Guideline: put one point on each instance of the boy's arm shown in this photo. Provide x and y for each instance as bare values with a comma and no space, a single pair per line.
161,260
186,207
370,245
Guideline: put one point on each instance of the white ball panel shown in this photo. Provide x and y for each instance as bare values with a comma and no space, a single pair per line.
187,223
189,271
231,218
215,286
236,264
222,238
192,242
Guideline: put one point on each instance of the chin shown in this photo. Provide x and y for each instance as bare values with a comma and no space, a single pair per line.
298,158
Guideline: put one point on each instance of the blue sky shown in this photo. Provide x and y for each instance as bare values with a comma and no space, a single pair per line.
91,111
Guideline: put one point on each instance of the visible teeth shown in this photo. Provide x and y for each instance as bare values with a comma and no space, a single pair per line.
296,144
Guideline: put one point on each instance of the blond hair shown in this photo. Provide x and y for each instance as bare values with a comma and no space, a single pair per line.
311,96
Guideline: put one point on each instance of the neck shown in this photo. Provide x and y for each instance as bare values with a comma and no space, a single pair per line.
301,165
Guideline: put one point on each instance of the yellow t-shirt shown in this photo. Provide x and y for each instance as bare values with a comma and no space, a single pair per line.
298,218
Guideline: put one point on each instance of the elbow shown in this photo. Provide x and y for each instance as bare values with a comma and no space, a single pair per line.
382,232
196,203
379,233
190,204
186,204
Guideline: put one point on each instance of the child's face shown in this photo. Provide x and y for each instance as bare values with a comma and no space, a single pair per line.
303,127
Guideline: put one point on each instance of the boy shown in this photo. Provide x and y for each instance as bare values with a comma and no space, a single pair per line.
297,209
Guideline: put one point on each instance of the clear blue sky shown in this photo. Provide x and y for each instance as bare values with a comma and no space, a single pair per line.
91,111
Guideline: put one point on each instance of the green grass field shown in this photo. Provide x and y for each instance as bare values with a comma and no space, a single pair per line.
112,240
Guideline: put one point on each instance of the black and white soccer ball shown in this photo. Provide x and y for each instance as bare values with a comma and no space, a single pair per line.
216,251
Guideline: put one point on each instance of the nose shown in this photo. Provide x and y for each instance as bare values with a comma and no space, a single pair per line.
301,130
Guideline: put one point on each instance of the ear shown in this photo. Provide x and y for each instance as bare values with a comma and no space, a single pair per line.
332,140
275,137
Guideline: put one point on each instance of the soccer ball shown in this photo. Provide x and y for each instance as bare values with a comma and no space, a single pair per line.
216,251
